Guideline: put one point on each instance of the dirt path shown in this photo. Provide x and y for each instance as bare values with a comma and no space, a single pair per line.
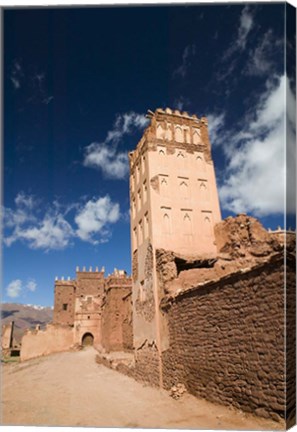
70,389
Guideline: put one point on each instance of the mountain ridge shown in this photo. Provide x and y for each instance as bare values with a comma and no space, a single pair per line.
25,316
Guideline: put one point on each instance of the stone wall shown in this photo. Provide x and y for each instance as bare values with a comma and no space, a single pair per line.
55,338
117,315
227,340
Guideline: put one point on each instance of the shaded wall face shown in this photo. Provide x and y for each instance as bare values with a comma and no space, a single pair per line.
227,342
117,332
64,304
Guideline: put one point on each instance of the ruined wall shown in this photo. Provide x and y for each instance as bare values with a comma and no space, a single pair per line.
64,302
55,338
117,332
227,340
7,336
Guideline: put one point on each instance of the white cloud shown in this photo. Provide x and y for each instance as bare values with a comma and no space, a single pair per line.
104,155
246,24
31,285
16,75
188,52
14,288
113,165
26,201
260,59
16,83
180,103
215,125
94,218
52,231
255,173
22,213
230,57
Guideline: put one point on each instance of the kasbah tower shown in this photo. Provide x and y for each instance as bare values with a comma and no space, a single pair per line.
174,206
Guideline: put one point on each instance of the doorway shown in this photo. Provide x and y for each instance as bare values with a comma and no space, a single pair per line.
87,339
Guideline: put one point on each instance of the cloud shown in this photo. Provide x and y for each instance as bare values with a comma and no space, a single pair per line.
17,74
51,230
31,285
246,25
94,218
231,56
25,201
216,123
189,51
113,165
255,172
32,81
180,103
14,288
260,59
24,205
104,155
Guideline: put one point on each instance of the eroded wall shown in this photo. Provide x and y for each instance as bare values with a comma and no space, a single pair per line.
7,336
55,338
227,340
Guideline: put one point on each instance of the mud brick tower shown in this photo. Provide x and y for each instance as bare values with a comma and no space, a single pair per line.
174,206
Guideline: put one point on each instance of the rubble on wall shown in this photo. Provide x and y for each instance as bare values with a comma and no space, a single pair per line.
244,236
242,243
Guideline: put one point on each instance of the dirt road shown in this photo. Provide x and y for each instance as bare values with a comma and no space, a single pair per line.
71,389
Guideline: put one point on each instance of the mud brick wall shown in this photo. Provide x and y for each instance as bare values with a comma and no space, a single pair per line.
147,365
55,338
90,283
291,341
64,303
227,341
117,332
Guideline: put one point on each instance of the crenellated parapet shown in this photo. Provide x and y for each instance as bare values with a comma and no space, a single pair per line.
174,130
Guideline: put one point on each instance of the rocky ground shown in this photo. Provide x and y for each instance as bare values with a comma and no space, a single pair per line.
71,389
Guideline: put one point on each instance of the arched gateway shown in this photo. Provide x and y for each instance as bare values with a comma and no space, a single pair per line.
87,339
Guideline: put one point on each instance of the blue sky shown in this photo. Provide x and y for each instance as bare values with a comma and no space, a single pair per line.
77,85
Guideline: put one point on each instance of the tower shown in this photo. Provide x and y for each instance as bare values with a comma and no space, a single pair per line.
174,206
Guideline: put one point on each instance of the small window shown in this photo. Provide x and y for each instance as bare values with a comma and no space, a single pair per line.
65,306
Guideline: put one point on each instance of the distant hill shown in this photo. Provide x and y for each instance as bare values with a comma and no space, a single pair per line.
24,317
